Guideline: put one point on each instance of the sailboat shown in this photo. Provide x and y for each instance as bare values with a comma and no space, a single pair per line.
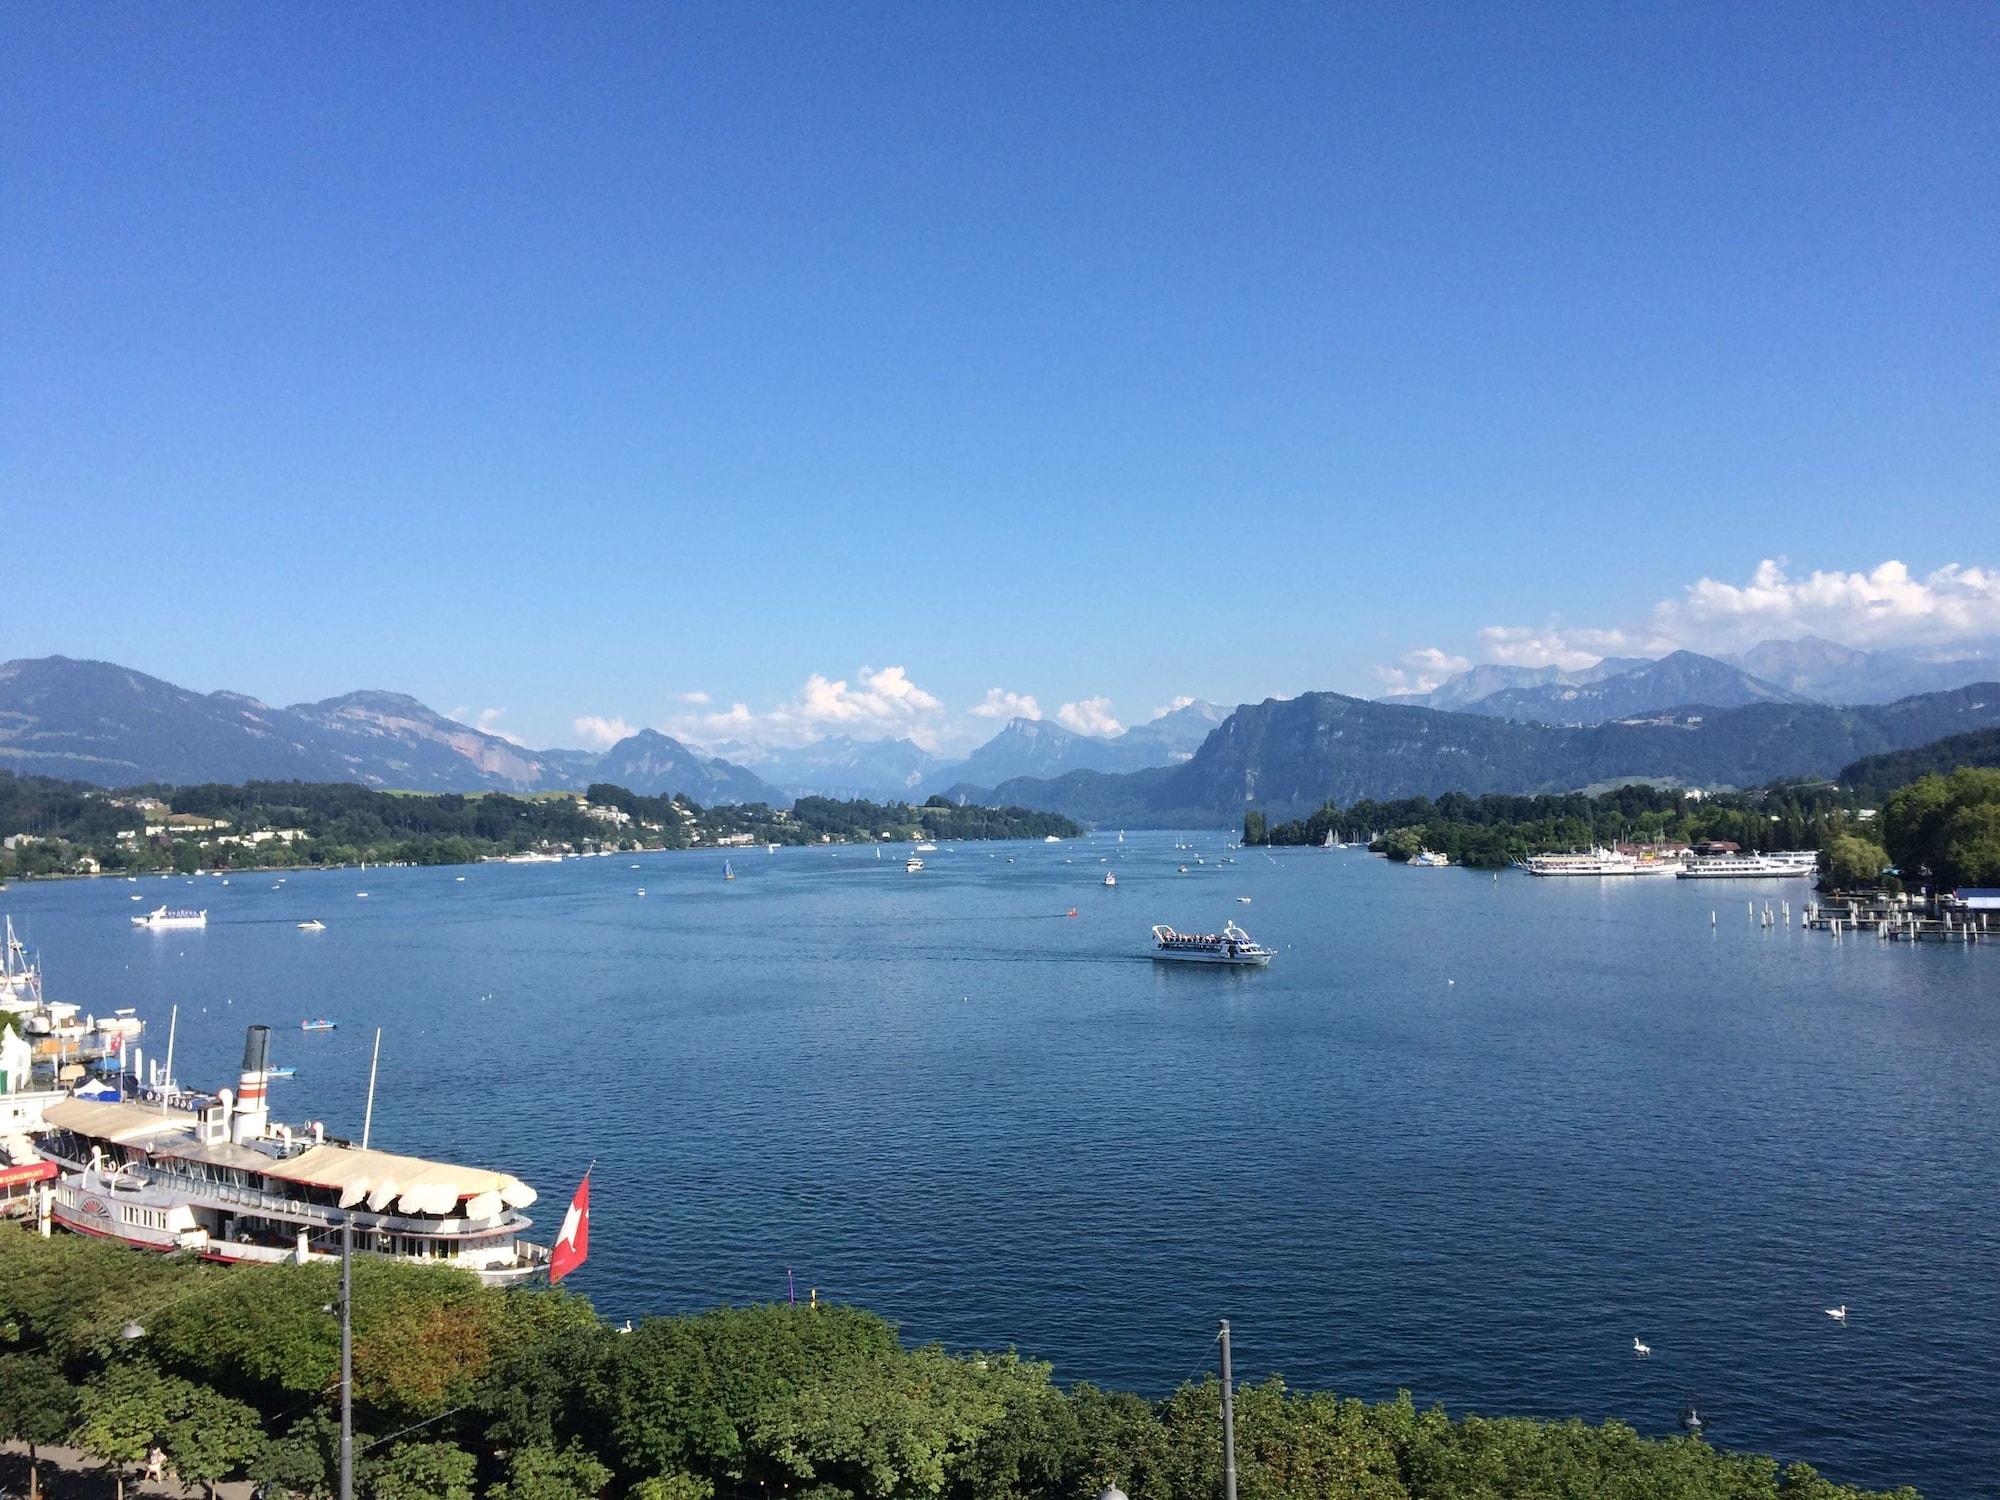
1121,835
727,873
1329,844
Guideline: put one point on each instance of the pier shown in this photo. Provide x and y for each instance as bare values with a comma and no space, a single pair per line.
1902,919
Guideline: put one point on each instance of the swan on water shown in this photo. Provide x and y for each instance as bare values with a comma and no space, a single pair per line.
1838,1314
1640,1350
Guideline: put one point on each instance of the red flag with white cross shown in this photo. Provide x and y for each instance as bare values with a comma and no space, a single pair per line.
572,1247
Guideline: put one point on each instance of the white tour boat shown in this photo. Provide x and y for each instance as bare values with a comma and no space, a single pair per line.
161,916
219,1180
1599,862
912,865
1748,867
1232,946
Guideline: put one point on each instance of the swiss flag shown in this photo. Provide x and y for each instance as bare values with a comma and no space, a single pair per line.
572,1247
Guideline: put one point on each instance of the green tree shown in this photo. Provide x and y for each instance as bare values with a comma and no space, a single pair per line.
420,1471
124,1408
673,1487
37,1406
207,1436
1850,860
548,1474
305,1460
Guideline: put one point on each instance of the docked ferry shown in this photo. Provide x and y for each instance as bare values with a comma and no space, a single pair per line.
1598,862
1789,865
1232,945
213,1175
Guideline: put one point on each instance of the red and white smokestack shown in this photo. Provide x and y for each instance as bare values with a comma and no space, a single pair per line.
252,1115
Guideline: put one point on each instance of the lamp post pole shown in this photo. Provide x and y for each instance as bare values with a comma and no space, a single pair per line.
1228,1422
346,1359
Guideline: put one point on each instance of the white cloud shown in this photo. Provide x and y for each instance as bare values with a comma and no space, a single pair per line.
878,704
696,697
488,722
1175,705
1421,670
1884,606
1001,704
601,733
1089,716
1556,646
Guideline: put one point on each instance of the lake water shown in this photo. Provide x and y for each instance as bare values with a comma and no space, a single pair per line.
1466,1136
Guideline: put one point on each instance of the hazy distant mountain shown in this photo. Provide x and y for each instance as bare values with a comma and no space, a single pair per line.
1812,667
1678,680
1039,747
658,765
1179,733
1476,684
839,766
1288,757
390,739
97,722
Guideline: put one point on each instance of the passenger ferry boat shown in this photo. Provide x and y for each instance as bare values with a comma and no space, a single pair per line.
1787,865
1232,945
213,1176
1598,862
160,916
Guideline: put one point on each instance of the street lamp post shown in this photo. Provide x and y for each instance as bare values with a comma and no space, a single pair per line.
347,1359
1228,1421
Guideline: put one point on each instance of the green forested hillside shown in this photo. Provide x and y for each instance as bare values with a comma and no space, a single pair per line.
1941,757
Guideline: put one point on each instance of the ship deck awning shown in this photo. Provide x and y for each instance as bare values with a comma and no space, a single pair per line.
123,1124
227,1154
413,1183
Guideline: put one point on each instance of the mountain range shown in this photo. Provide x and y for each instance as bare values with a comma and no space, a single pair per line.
1288,756
97,722
1686,718
1807,670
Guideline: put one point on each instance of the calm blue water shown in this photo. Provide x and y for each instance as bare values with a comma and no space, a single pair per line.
1468,1136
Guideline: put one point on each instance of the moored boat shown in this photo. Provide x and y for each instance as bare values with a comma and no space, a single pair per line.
215,1177
1598,862
1747,867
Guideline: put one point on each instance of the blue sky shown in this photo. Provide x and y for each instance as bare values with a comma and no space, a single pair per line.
561,362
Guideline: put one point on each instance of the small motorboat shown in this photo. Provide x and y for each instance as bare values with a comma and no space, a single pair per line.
320,1024
1109,878
314,925
280,1072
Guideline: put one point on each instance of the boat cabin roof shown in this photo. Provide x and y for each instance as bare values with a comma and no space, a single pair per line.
421,1185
